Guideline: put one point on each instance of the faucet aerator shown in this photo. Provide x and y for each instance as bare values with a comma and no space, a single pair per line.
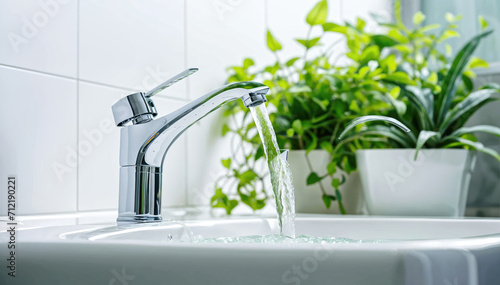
255,99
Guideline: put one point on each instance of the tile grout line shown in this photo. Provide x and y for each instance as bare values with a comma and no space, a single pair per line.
83,212
186,140
266,14
77,106
87,81
37,71
341,9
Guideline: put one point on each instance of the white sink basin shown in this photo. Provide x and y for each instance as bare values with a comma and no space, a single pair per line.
384,251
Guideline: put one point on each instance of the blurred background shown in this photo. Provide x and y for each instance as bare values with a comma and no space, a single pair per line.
64,63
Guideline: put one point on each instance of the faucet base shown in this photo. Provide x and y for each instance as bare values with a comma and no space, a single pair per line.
140,194
139,219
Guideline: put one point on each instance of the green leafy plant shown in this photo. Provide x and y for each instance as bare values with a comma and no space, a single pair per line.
314,96
439,108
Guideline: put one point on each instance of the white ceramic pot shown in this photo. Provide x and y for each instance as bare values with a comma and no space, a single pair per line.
436,184
308,198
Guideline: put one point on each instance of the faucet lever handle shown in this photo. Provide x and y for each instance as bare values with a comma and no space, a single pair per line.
170,82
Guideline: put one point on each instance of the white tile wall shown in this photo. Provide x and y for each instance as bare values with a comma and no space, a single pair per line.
38,141
39,35
133,44
219,34
99,165
218,38
353,9
287,22
73,59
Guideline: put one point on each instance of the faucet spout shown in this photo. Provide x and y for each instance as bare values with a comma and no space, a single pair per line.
145,144
171,126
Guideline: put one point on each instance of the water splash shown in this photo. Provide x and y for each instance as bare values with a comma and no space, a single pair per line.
281,176
282,239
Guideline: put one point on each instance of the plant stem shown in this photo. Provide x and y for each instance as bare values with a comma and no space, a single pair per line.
309,165
330,48
307,38
341,207
334,134
301,143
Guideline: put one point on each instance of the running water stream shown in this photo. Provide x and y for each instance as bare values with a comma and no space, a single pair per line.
281,176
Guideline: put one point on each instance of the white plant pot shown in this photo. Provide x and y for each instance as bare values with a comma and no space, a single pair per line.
308,198
436,184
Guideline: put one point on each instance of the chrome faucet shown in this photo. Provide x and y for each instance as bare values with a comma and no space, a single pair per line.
144,142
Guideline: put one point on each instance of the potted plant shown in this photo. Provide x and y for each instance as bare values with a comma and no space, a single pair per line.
427,170
310,101
313,97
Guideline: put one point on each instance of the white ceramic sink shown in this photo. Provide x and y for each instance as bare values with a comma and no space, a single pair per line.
386,251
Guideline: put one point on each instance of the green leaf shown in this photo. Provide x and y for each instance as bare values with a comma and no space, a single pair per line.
318,14
418,18
247,62
225,129
335,183
272,43
313,178
477,62
448,34
220,200
400,77
327,200
331,167
428,28
364,119
433,78
323,104
312,145
309,43
360,24
469,137
423,137
353,106
475,145
482,22
451,18
247,177
370,53
471,101
297,126
226,163
332,27
363,71
450,82
468,83
390,63
259,153
347,165
326,146
400,106
339,200
291,61
424,103
395,92
481,128
290,132
448,49
299,88
384,41
384,131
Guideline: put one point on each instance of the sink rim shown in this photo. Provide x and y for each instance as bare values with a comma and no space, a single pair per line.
52,235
